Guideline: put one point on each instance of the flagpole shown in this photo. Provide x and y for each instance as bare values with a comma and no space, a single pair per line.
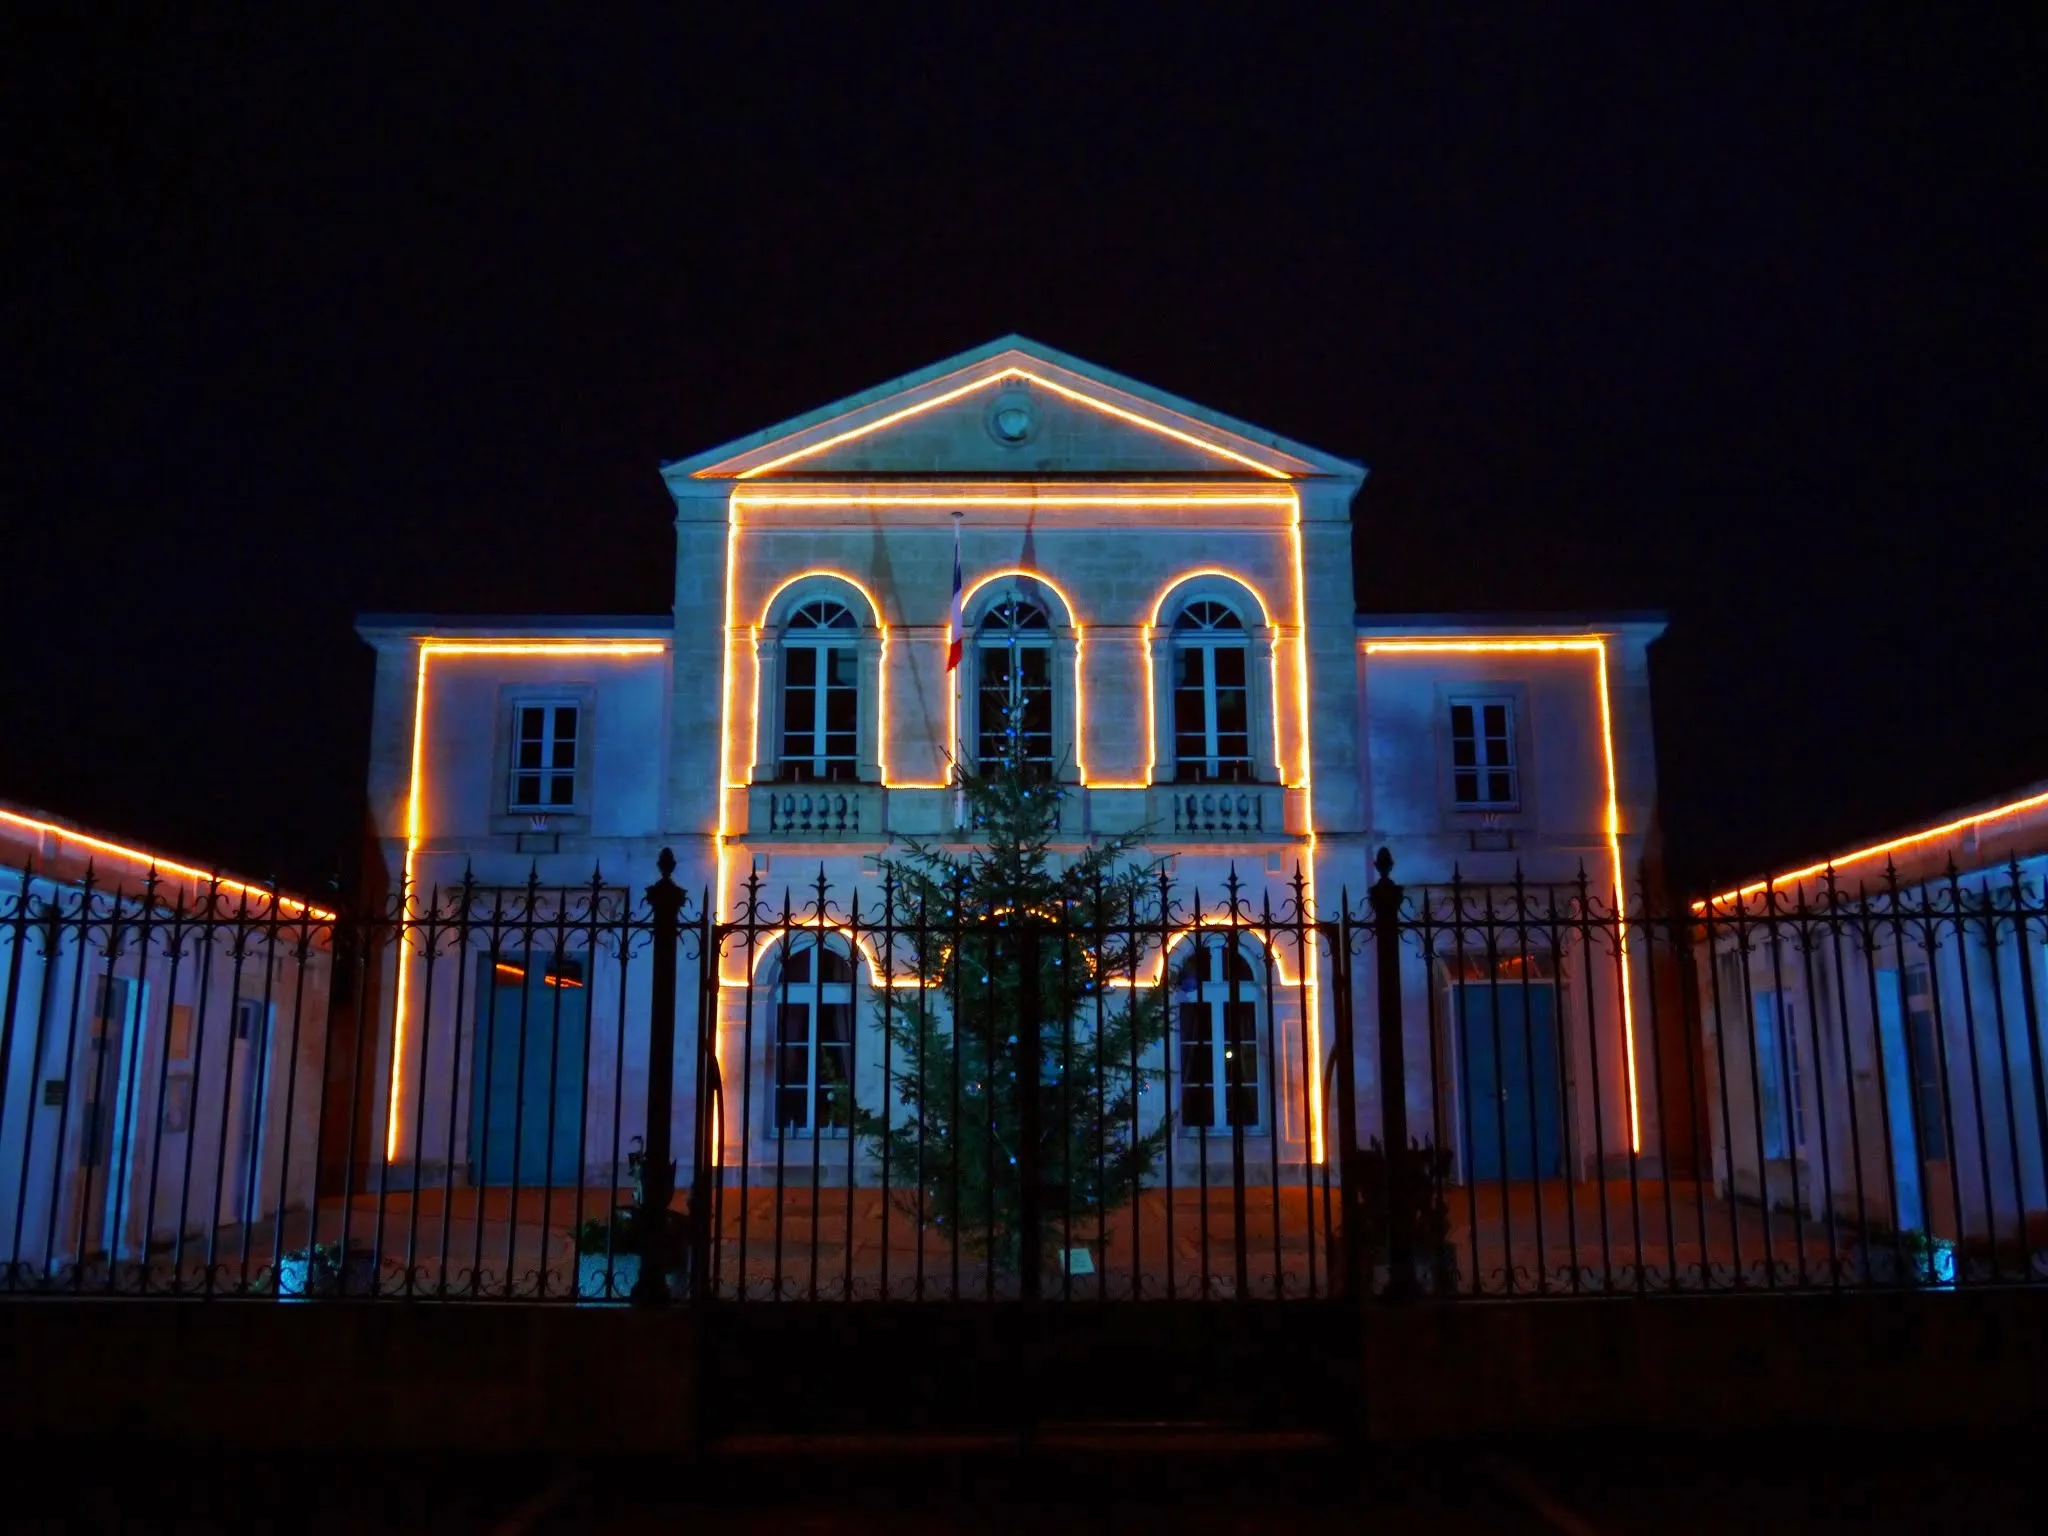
956,642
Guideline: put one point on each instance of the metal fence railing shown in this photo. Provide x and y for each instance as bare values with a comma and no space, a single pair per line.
588,1093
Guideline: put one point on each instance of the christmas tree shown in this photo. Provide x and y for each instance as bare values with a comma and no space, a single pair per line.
992,927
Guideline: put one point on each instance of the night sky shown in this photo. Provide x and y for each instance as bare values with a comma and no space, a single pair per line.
1742,322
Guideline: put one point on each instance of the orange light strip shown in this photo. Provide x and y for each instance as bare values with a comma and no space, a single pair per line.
1151,683
1876,850
157,862
946,499
518,973
951,395
1080,641
415,799
876,975
1181,935
1597,646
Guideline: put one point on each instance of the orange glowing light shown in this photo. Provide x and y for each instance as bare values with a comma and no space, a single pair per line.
1080,641
948,396
1878,850
940,497
1596,645
769,937
162,865
415,800
518,973
1145,648
1214,922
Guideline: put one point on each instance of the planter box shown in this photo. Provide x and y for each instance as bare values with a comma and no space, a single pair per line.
299,1279
595,1281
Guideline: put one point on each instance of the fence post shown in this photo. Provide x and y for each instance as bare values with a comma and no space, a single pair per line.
1400,1192
658,1170
709,1109
1030,1063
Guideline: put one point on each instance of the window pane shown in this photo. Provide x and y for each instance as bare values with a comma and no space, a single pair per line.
526,789
532,723
838,967
1035,663
1461,720
1188,667
796,965
1467,786
565,722
529,755
842,709
800,664
1229,666
798,711
839,668
565,754
1230,710
1189,712
1496,719
562,790
1500,787
1464,753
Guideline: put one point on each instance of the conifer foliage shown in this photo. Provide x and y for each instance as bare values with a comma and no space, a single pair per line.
977,919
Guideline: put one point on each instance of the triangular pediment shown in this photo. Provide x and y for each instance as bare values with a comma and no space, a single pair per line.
1018,409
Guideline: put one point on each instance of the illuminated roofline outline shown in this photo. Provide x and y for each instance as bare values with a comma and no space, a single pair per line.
1876,850
942,497
986,381
158,862
415,793
1596,646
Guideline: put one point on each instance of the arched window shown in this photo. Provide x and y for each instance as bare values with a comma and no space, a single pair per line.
1218,1005
820,695
813,1065
1013,674
1212,721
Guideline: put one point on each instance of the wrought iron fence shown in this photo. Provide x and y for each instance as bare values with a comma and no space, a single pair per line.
587,1093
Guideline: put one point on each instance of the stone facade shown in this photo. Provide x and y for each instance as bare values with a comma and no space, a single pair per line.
1110,506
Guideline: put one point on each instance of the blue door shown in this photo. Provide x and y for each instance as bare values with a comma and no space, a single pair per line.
1509,1079
526,1100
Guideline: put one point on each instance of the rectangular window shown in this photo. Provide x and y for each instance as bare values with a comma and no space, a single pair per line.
1483,771
1928,1098
1015,689
544,756
820,713
1780,1081
1211,714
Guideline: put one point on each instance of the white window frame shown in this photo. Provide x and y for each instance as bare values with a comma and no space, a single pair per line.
1483,764
1205,641
1215,997
812,995
547,773
820,641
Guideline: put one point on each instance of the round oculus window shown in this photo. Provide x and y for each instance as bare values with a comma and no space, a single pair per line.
1011,420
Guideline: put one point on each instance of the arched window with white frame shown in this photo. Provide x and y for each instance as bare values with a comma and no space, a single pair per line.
819,740
1221,1022
811,1065
1212,705
1013,685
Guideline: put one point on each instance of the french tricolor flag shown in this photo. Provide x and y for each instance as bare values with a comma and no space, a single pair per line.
954,619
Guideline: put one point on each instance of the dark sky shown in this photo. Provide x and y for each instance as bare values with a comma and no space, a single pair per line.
1741,319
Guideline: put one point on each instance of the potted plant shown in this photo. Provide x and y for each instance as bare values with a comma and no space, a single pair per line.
1436,1259
1909,1258
326,1269
609,1249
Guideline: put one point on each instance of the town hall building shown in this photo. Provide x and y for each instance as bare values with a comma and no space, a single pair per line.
1159,598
